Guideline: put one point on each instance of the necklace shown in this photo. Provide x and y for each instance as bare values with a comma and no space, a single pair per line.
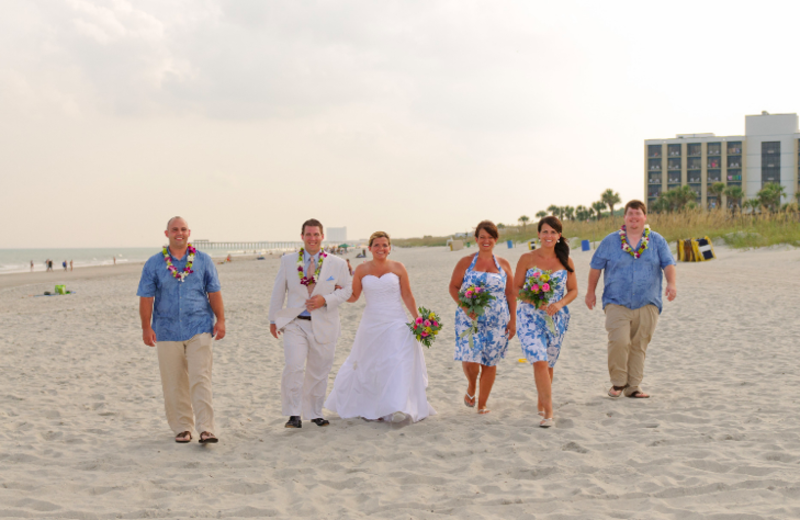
623,235
174,270
305,280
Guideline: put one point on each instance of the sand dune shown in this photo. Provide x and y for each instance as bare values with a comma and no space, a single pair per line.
84,435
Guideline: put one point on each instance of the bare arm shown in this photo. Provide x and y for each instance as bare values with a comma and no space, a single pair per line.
591,298
511,298
405,291
572,292
146,314
361,270
215,299
458,278
522,269
671,273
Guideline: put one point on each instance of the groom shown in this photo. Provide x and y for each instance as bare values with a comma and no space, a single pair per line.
316,284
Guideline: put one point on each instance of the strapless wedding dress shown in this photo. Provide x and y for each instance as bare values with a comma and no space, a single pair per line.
385,372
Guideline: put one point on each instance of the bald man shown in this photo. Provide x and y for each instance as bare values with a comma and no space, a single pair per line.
182,285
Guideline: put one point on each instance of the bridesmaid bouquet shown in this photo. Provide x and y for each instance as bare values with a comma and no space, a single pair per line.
426,326
474,299
537,291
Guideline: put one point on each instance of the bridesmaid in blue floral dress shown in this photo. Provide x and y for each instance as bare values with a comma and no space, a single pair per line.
496,327
539,345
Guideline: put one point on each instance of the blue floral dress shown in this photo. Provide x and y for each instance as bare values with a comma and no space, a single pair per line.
538,343
491,340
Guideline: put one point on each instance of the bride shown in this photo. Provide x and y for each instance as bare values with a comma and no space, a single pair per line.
385,372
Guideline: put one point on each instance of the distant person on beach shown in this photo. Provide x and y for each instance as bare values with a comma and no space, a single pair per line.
115,260
31,265
49,264
496,327
70,265
541,344
313,284
349,267
632,260
64,265
182,286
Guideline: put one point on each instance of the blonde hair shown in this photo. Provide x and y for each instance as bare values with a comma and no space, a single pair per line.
379,234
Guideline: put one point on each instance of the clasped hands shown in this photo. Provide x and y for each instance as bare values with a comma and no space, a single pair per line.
318,301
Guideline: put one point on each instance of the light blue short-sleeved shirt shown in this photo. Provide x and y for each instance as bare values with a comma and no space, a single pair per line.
632,282
181,309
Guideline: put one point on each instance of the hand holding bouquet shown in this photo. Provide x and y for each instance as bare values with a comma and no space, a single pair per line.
537,291
426,326
474,299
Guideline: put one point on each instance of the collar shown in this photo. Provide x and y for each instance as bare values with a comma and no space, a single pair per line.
307,256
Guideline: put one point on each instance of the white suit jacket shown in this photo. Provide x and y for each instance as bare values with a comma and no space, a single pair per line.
325,320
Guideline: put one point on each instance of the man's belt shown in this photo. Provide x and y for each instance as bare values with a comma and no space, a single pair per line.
304,318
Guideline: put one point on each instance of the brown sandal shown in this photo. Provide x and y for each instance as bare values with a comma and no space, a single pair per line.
182,436
209,437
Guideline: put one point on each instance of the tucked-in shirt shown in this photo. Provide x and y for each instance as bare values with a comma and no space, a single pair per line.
307,260
632,282
181,309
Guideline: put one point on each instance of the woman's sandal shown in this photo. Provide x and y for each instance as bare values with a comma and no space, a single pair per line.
181,437
547,423
209,437
483,411
468,398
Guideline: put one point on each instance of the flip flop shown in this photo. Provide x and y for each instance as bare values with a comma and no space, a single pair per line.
618,389
468,398
483,411
184,434
210,439
638,395
547,423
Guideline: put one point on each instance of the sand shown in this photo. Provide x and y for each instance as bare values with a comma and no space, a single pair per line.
84,436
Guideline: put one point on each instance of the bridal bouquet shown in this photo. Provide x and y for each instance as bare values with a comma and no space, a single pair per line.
426,326
474,299
537,291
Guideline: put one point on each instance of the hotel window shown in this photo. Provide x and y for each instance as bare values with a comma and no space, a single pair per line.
654,191
674,163
694,149
673,178
735,148
714,149
654,150
734,175
770,161
714,162
693,163
654,164
654,178
674,150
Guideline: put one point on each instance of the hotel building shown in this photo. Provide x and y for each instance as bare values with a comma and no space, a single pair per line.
767,152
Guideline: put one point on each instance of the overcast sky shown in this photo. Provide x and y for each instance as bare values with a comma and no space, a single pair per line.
249,116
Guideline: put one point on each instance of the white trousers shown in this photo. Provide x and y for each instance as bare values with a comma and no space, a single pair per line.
186,380
305,374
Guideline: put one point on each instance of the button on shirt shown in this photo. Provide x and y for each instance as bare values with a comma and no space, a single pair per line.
181,309
632,282
307,260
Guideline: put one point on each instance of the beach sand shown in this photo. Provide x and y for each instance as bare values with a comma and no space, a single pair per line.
84,436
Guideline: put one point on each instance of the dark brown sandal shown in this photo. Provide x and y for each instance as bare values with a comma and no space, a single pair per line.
182,436
209,438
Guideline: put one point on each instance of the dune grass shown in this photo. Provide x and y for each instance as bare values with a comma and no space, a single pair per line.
738,231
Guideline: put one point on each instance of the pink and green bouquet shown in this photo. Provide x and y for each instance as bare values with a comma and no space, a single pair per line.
426,326
474,299
537,290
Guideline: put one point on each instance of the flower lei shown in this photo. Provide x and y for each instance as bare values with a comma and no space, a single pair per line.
623,235
305,280
174,270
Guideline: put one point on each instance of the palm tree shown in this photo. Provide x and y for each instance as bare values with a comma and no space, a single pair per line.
599,206
610,198
553,209
752,204
770,196
717,190
735,194
541,214
582,213
569,213
524,219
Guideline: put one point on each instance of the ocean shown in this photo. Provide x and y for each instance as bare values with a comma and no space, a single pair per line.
19,260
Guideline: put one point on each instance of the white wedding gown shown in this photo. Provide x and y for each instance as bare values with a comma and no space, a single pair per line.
385,372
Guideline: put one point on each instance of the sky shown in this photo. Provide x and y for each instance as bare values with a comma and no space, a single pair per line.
247,117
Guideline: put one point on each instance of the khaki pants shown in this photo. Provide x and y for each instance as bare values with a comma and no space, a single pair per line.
629,333
186,380
305,375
